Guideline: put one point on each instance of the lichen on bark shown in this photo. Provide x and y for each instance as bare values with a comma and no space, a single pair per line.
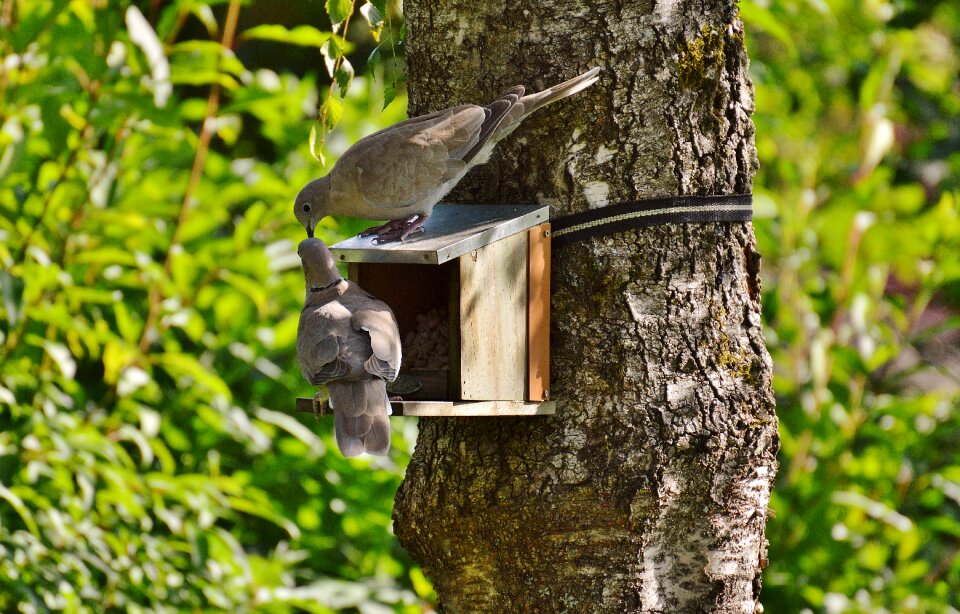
648,490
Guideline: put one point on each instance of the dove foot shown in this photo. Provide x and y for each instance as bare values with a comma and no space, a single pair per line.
319,404
403,230
388,226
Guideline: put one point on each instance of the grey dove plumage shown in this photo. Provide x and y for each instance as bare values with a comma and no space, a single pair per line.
401,172
349,341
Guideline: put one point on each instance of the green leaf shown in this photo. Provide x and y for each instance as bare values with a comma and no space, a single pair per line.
209,55
202,63
421,584
331,51
186,370
374,18
338,10
294,427
761,17
344,75
304,36
261,511
116,356
248,288
373,62
878,84
332,110
204,13
389,94
35,18
17,504
316,132
11,288
372,14
143,35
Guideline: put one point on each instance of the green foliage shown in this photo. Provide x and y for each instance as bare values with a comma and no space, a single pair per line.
340,69
149,297
858,118
148,456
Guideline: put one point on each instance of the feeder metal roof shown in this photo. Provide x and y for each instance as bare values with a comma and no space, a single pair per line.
451,231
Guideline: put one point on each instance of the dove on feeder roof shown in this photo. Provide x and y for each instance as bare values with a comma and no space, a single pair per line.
401,172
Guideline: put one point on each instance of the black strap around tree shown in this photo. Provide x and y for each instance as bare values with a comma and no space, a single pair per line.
650,212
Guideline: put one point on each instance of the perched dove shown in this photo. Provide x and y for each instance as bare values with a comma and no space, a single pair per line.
401,172
349,341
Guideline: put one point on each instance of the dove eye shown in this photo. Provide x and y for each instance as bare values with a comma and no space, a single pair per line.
306,208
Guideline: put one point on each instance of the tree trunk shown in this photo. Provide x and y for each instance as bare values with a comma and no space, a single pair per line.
648,490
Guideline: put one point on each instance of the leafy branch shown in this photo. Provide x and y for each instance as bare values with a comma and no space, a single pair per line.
196,173
341,70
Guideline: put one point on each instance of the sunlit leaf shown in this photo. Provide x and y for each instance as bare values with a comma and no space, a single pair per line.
143,35
374,17
248,507
304,35
315,143
22,511
344,76
338,10
331,52
760,16
11,289
332,111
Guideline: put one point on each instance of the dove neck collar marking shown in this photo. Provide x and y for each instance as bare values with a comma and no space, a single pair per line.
329,285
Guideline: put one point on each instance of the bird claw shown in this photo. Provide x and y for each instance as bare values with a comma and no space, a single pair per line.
318,406
385,227
398,230
398,234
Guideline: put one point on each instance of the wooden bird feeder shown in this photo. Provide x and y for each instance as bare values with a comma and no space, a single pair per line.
487,267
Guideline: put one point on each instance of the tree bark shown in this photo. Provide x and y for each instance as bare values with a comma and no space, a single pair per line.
648,490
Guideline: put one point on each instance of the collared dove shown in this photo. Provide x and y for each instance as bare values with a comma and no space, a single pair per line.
401,172
349,341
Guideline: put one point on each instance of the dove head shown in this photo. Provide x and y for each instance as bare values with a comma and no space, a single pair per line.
312,204
319,267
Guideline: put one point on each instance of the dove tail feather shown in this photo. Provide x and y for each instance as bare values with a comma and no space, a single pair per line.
532,102
360,416
348,398
377,440
349,446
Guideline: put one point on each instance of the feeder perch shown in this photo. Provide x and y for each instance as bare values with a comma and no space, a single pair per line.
487,267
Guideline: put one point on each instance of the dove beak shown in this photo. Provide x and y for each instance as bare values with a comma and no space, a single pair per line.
309,230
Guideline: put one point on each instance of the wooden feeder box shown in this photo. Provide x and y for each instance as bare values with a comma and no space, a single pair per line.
488,268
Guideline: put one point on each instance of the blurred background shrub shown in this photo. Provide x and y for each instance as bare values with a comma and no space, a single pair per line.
150,290
150,295
858,131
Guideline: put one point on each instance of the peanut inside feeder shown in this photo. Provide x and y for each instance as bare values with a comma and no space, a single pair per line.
426,353
427,347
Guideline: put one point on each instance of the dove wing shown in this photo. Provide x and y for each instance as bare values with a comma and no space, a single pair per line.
405,164
319,351
379,322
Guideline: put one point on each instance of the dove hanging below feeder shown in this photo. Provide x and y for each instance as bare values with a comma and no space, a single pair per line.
401,172
348,341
